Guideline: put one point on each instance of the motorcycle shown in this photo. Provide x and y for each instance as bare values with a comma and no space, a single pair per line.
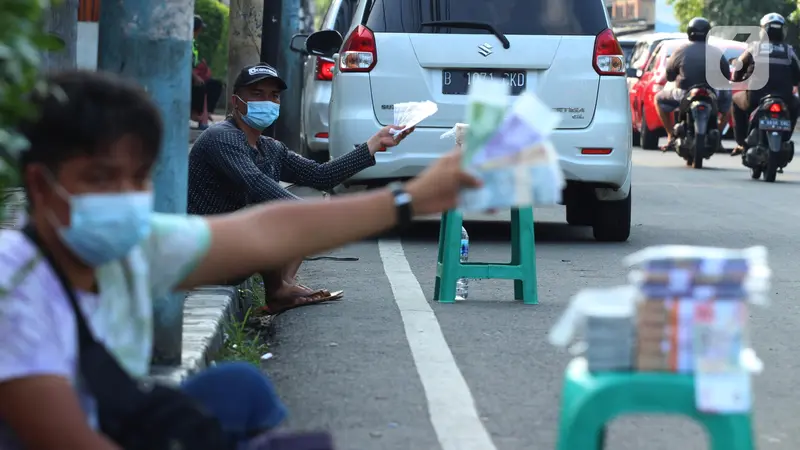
768,146
696,133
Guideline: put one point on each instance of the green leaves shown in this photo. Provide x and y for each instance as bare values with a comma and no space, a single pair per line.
49,42
730,12
22,38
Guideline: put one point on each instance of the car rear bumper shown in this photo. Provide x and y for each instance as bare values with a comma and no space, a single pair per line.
316,116
610,128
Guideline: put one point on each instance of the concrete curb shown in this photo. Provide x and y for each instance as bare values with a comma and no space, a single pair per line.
206,313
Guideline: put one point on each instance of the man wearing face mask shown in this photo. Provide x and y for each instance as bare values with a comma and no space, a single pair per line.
232,166
78,283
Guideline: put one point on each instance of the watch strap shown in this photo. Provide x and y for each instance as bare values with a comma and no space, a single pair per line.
402,204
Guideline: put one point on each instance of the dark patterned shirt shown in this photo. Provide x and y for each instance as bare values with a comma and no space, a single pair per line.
227,174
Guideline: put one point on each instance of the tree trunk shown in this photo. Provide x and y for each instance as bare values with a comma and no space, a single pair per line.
244,39
62,20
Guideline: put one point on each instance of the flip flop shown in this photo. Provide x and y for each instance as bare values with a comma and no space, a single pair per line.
317,297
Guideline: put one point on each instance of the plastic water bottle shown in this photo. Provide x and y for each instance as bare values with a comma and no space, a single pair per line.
462,284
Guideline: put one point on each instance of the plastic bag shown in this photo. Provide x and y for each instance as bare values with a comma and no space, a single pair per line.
702,272
616,301
409,114
457,133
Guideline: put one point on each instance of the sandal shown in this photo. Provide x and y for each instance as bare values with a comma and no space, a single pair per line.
316,297
738,150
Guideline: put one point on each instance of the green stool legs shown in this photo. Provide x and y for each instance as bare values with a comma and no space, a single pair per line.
523,254
521,269
590,401
449,258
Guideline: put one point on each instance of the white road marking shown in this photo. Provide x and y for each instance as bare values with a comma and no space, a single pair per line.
450,404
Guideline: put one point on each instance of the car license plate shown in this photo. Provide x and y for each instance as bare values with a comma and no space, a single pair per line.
774,124
457,82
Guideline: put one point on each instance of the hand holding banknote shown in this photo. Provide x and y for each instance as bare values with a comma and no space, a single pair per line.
437,188
386,138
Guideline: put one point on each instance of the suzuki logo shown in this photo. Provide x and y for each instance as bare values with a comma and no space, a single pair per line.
485,50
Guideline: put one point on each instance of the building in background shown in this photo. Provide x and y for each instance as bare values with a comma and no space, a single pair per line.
624,10
88,31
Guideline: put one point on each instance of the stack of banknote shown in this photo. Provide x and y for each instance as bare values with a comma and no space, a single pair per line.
507,146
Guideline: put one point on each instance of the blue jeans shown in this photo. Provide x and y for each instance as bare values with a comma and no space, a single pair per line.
240,397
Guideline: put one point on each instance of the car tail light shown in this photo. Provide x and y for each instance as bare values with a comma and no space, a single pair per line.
596,151
608,56
324,69
358,51
699,92
775,108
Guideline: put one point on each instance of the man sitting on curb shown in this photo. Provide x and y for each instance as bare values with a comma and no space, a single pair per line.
232,165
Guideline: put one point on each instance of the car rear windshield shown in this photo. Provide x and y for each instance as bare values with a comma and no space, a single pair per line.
527,17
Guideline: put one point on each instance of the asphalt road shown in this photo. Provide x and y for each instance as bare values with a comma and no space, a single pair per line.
348,367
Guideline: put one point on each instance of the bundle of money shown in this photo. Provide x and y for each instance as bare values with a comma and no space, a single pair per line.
508,148
693,318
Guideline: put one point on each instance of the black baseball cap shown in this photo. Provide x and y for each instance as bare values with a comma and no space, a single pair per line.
258,72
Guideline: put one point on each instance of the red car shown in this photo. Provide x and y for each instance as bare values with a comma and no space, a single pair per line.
647,126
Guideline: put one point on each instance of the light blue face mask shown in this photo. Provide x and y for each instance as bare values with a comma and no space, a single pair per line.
106,227
260,115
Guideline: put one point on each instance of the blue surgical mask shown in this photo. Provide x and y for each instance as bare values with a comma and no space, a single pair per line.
106,227
260,115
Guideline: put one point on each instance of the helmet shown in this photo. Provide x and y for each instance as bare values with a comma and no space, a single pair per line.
773,26
698,29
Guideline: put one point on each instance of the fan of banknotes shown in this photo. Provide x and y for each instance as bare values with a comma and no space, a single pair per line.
507,145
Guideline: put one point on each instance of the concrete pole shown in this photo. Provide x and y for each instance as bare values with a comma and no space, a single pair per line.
150,42
61,19
244,38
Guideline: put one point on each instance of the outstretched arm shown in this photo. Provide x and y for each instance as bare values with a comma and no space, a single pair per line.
271,235
303,171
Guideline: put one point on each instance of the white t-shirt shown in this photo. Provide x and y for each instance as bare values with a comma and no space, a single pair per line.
38,332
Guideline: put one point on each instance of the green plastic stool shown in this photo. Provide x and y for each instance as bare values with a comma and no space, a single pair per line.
521,269
590,401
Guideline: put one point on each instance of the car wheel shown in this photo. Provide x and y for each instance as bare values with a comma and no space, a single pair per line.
612,220
648,139
580,203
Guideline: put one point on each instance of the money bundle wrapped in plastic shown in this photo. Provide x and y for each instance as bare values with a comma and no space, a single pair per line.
692,318
509,149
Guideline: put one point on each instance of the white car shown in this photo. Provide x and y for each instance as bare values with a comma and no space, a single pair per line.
400,51
317,76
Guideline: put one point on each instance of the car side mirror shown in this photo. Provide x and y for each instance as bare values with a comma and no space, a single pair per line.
324,43
298,43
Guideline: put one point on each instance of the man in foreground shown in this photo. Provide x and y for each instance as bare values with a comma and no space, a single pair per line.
232,166
88,178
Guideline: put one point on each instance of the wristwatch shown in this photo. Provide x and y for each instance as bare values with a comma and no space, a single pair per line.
402,202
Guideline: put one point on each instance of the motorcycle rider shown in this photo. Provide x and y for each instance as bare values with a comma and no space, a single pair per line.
784,75
687,68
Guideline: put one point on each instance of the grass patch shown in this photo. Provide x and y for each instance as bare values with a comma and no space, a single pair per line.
243,342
